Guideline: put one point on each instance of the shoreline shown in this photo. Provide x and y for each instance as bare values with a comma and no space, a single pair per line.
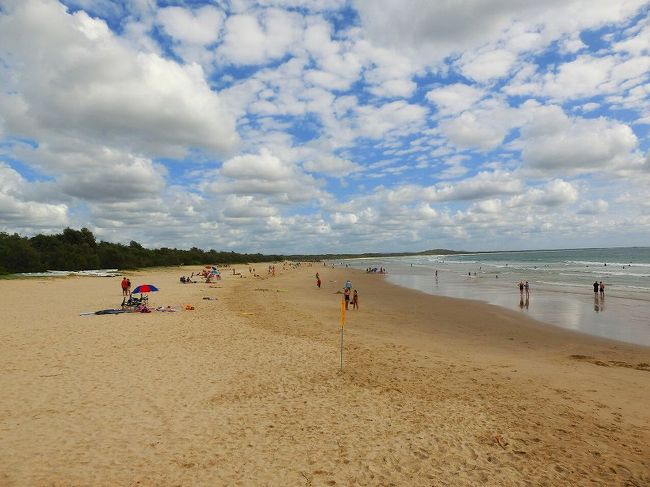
246,388
620,316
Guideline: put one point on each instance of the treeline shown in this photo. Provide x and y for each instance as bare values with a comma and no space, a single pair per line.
77,250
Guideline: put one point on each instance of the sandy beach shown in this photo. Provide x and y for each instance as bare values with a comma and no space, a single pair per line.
246,388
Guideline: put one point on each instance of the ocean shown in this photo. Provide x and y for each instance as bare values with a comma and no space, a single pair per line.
561,291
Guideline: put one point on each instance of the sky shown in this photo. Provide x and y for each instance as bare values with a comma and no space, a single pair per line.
314,126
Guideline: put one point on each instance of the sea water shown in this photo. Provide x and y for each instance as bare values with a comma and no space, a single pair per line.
561,285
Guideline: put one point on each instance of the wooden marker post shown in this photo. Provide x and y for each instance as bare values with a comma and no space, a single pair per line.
342,325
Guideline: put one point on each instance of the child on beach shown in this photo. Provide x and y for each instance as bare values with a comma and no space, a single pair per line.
355,300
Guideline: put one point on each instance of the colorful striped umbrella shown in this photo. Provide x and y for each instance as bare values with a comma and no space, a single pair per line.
145,288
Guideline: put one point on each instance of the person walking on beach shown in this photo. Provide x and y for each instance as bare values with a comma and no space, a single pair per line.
355,300
521,288
318,280
124,287
346,294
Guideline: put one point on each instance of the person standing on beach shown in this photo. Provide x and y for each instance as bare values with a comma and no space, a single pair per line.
355,300
318,280
348,284
527,288
596,287
346,294
124,287
521,288
128,286
602,289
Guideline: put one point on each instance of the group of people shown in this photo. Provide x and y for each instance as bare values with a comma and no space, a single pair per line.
126,286
350,295
380,270
524,287
599,287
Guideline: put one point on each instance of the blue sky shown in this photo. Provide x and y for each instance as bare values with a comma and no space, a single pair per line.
327,126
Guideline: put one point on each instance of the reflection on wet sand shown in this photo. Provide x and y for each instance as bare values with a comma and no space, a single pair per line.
626,319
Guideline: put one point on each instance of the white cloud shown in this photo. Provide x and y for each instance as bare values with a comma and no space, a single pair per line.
256,166
201,26
246,207
487,65
488,206
132,179
252,40
265,177
555,193
454,98
388,72
337,66
483,128
18,211
434,30
344,219
77,80
481,186
638,43
595,207
326,107
332,165
588,76
96,173
554,143
396,116
572,44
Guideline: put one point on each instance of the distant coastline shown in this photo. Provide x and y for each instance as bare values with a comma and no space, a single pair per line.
77,250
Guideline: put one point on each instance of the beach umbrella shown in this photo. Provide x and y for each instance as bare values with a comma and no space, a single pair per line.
145,288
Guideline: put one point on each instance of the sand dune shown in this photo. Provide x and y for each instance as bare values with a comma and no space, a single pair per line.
246,389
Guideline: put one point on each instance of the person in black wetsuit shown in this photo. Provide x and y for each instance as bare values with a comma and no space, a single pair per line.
596,286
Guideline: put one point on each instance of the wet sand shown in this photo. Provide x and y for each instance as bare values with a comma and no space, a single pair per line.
614,316
246,389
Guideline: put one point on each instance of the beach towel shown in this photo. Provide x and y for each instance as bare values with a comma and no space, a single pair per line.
105,312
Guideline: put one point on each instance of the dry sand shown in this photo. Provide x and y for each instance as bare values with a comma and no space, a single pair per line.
246,389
